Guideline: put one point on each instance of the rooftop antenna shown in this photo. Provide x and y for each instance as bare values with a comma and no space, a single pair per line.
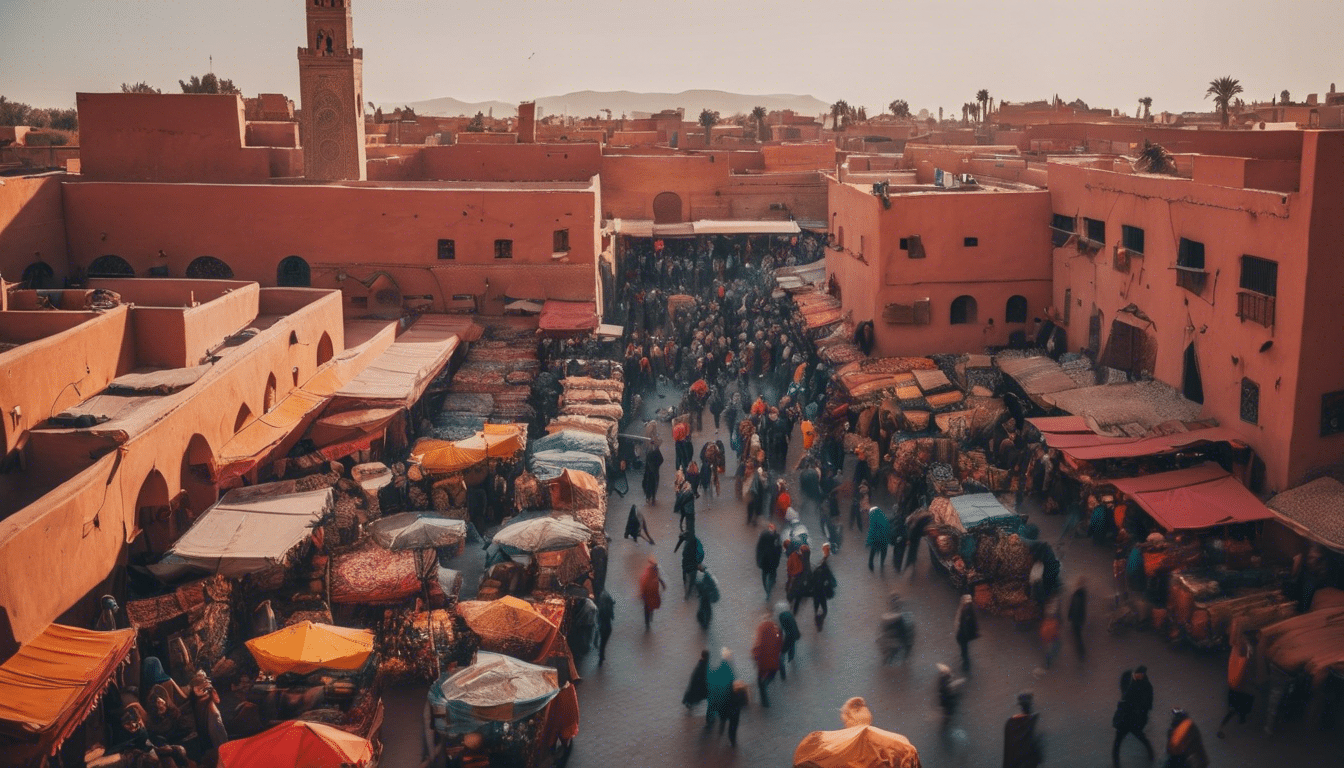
212,64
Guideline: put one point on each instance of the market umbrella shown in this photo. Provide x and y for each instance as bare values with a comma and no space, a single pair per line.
862,746
298,744
496,688
411,530
498,441
506,619
542,533
307,647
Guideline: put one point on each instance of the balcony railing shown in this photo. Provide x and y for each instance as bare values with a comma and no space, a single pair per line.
1256,308
1191,279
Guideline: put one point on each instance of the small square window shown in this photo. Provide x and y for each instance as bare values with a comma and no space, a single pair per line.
1063,223
905,243
1250,401
503,249
970,242
447,249
1190,254
1131,238
1259,275
560,241
1096,230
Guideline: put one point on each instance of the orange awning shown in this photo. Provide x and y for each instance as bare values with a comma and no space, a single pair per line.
568,316
48,687
307,647
1189,499
1093,447
300,744
443,456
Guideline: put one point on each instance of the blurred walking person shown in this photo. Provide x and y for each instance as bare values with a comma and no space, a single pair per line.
767,651
651,586
606,613
697,689
1023,745
1131,713
1185,746
769,549
967,629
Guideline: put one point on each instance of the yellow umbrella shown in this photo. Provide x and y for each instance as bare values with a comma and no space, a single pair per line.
495,444
442,456
306,647
507,618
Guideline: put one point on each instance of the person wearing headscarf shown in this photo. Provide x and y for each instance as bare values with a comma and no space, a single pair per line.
767,652
653,464
822,586
879,536
966,628
788,626
720,680
855,712
636,526
651,586
1185,746
769,548
1022,743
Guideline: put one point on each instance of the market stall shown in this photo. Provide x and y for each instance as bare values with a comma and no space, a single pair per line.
307,647
860,746
298,743
982,546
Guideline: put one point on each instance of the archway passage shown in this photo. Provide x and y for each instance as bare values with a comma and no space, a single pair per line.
198,466
963,310
209,268
110,265
293,272
39,276
324,350
1016,310
667,208
154,516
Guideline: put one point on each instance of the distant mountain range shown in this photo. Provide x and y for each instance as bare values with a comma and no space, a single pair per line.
592,103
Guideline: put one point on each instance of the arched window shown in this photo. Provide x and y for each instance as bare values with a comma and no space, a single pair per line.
963,310
38,276
667,208
1016,311
209,268
268,400
110,266
293,272
240,421
324,350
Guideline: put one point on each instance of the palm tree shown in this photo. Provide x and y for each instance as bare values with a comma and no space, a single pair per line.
1223,90
838,110
758,116
708,118
1284,98
899,108
982,96
1147,103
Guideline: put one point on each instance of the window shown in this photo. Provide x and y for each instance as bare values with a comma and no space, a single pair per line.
963,311
503,249
1096,230
560,240
1016,311
914,245
209,268
1190,273
1250,401
293,272
970,242
1131,238
1061,229
905,243
1259,275
447,249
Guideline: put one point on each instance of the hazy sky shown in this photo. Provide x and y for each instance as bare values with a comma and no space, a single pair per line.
931,53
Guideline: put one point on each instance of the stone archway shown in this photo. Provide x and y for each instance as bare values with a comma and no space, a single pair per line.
154,516
667,208
197,475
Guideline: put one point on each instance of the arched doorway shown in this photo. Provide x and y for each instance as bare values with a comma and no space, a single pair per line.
293,272
244,416
324,350
198,482
1016,310
38,276
209,268
963,310
268,400
154,516
110,266
667,208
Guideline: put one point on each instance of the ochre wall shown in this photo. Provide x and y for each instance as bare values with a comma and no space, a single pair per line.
510,162
166,138
32,221
1229,222
350,232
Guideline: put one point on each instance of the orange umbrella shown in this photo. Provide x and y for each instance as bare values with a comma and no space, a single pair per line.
297,744
307,647
507,618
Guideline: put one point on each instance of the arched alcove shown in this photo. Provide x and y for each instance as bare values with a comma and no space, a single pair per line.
1016,310
110,265
324,349
38,276
293,272
209,268
963,310
667,208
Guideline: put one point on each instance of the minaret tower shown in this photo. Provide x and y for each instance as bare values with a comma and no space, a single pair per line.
331,94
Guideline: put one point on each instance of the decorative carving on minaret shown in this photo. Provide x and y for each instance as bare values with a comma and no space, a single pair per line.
331,92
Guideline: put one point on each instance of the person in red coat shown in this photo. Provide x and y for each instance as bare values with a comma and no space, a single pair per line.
651,586
767,651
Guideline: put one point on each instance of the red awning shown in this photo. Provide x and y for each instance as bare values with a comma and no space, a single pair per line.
568,316
1102,447
1199,497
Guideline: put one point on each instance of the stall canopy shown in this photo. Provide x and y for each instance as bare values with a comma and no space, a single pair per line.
1091,448
307,647
1313,510
568,317
496,688
505,619
539,534
400,375
1061,425
1198,497
494,441
412,530
862,746
1038,376
248,530
499,441
976,508
300,744
49,686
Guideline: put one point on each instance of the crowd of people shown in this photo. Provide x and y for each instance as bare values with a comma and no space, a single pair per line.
706,327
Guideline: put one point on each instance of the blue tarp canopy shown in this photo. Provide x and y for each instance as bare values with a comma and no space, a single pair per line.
547,465
570,440
976,508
